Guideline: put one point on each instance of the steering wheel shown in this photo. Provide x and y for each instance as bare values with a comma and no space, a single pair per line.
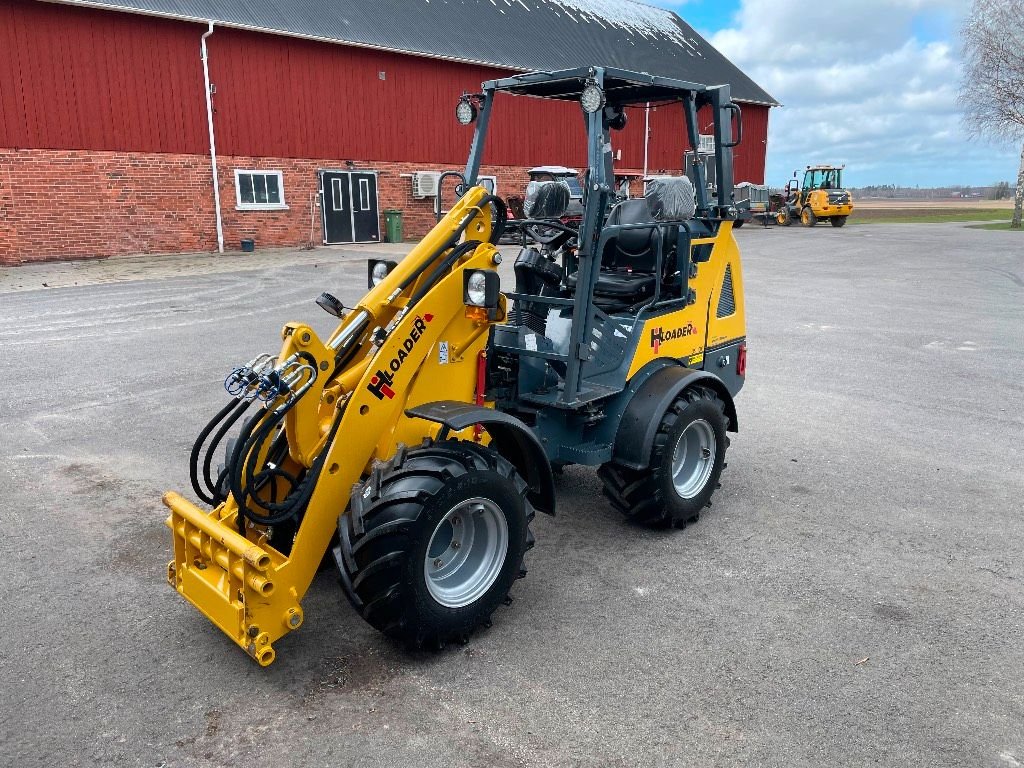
547,231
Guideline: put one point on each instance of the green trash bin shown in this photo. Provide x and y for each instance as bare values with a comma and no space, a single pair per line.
393,225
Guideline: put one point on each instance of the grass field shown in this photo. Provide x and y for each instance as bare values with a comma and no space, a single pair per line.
895,215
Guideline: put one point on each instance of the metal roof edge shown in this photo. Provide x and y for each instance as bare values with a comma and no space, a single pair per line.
271,31
102,6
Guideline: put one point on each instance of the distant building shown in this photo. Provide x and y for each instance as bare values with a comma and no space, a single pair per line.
340,109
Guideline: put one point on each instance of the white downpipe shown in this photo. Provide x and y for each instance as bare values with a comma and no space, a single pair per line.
647,135
213,140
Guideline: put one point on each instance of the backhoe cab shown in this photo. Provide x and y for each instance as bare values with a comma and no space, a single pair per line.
414,445
820,196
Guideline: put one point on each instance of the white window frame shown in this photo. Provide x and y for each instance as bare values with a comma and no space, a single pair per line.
364,195
337,199
240,206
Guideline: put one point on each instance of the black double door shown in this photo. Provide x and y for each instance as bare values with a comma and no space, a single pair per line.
349,206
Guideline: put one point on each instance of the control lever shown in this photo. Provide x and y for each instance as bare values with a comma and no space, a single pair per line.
331,305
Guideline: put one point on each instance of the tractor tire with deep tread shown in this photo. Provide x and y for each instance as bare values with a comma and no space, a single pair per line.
389,536
783,217
838,221
807,217
650,497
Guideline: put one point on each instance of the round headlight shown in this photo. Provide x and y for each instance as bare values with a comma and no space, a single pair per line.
380,271
476,289
465,112
592,99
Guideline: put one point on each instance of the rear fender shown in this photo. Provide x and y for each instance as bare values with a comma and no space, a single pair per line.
509,436
641,417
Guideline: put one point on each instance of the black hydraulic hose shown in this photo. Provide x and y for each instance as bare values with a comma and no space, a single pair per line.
452,241
291,506
456,254
247,443
229,422
256,480
500,221
197,447
241,449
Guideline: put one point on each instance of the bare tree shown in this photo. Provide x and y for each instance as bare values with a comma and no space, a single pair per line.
992,89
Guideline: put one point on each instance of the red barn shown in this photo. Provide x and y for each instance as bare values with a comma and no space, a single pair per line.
108,136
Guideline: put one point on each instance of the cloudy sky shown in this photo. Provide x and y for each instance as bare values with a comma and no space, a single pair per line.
871,84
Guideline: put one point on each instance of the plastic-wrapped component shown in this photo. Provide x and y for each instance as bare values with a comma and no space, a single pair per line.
670,198
546,199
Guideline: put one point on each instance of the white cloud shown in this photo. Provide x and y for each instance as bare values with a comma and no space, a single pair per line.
871,84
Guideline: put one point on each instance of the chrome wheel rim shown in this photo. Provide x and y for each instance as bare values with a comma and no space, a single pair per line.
466,552
693,459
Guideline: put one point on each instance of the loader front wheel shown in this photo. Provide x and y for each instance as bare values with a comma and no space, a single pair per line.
686,462
434,540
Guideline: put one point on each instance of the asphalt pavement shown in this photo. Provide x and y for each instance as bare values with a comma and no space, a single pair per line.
854,597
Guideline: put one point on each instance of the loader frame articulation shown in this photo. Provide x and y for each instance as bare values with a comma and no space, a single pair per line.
420,362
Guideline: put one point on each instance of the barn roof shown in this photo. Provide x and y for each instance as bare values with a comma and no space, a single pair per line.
516,34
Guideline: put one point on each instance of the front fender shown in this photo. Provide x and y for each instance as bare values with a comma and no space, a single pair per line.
509,436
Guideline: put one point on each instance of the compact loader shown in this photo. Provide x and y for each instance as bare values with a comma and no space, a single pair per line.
821,197
412,447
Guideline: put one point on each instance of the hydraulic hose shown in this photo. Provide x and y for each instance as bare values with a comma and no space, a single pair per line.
457,253
243,465
496,232
208,494
216,488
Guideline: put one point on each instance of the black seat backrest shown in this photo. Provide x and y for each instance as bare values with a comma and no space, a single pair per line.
632,249
546,199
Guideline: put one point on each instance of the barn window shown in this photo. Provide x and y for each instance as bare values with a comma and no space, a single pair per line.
259,190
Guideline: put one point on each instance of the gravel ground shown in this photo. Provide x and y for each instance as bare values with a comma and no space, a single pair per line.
854,597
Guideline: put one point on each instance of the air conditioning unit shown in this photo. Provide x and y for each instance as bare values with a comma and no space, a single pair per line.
424,184
706,145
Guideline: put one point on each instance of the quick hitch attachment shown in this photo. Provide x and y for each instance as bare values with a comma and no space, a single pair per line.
264,380
243,382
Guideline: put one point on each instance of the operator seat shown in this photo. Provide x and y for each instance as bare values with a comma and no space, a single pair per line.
629,261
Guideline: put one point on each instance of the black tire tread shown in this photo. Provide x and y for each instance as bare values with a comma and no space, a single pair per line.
376,533
637,494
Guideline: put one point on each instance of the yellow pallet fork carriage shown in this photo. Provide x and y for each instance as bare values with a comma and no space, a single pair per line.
819,197
413,446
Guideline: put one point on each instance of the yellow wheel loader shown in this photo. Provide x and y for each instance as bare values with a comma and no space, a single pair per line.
412,446
820,197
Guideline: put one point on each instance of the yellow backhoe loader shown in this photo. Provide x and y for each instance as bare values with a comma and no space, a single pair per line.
412,446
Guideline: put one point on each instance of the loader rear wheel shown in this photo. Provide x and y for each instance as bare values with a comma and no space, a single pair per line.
686,462
838,221
434,540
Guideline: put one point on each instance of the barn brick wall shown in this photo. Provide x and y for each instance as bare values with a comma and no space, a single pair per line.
62,205
58,204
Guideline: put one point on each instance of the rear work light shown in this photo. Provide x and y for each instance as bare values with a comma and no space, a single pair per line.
741,360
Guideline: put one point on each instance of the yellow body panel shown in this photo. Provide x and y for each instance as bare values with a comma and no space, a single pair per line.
686,333
244,586
818,200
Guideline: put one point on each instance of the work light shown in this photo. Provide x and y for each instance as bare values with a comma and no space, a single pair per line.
465,111
592,99
481,289
380,270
